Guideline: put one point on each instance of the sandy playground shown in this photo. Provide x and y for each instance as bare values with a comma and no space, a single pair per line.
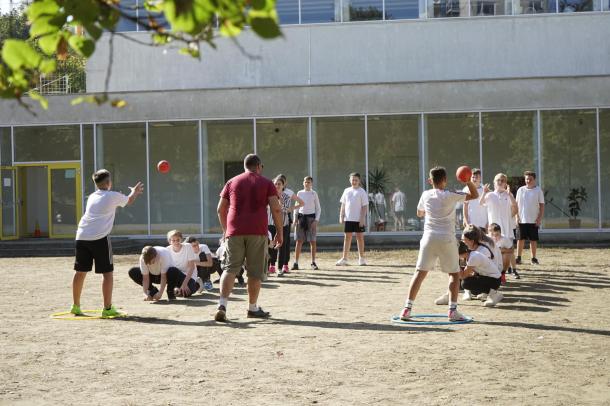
329,341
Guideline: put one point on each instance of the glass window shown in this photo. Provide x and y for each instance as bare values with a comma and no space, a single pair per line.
121,149
510,145
288,11
569,168
361,10
88,160
401,9
338,150
535,6
394,175
47,143
572,6
320,11
225,145
490,7
6,146
175,198
447,8
604,153
130,8
282,146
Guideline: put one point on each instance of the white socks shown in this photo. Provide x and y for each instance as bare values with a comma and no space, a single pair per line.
253,307
223,301
409,303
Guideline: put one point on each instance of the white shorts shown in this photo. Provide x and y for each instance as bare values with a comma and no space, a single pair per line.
442,247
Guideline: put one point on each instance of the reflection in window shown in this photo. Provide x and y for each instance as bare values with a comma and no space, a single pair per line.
121,148
362,10
88,160
447,8
490,7
5,146
535,6
225,144
394,175
47,143
282,146
569,168
401,9
338,150
288,11
573,6
320,11
174,196
510,143
129,8
604,153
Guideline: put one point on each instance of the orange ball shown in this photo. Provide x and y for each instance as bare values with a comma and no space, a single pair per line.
463,173
163,166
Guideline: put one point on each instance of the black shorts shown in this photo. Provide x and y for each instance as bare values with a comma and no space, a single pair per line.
528,231
353,227
98,250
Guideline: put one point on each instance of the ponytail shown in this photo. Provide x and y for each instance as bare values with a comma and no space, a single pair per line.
475,233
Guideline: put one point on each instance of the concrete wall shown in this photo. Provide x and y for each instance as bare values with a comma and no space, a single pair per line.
530,46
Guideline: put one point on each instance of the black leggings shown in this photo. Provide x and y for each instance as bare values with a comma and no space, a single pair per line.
174,279
282,256
478,284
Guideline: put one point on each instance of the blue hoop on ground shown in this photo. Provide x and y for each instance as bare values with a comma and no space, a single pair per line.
397,320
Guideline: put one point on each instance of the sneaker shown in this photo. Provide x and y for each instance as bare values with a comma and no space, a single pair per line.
207,285
361,262
271,269
516,274
509,270
534,261
314,266
482,296
467,295
285,269
200,283
221,314
518,260
493,298
503,279
75,310
341,262
454,315
405,315
112,312
442,300
259,314
280,273
295,266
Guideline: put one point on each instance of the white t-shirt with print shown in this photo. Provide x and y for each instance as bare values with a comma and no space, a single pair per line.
181,259
483,265
439,206
528,202
98,219
354,199
399,199
162,262
499,211
477,214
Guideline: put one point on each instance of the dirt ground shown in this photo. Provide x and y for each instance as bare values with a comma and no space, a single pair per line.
329,341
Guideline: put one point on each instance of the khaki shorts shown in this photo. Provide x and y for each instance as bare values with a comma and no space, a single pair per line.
250,248
443,248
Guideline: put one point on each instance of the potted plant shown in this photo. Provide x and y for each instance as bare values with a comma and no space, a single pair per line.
576,198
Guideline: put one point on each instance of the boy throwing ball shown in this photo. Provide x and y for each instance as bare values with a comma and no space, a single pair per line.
93,241
437,205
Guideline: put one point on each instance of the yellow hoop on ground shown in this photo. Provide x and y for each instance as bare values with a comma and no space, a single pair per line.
84,316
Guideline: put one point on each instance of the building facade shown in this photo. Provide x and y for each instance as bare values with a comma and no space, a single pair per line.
500,87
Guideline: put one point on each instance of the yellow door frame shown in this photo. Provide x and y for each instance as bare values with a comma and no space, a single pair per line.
16,205
78,190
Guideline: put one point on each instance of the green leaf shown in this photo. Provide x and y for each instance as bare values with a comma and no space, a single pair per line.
44,103
189,16
83,11
45,25
93,30
194,52
18,54
154,6
228,29
266,27
161,39
42,8
49,43
47,66
118,103
83,99
83,46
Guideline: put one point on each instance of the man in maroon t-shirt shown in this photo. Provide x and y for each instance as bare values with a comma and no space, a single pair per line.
242,211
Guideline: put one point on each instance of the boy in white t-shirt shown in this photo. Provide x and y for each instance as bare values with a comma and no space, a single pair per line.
399,205
437,205
205,263
308,218
184,259
155,267
354,205
506,248
93,240
530,204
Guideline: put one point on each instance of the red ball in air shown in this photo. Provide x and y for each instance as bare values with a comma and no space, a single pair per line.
163,166
463,173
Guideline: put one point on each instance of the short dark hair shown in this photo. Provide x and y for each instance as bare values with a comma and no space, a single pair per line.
476,171
307,178
100,177
530,173
495,227
191,239
251,161
462,248
355,174
438,174
148,254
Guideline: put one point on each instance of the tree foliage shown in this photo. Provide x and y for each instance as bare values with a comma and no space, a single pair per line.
58,27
